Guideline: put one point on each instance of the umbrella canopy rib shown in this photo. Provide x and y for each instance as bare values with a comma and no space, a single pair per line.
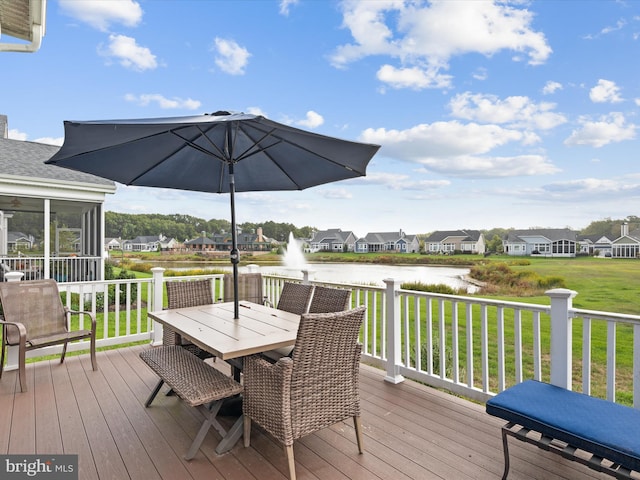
203,134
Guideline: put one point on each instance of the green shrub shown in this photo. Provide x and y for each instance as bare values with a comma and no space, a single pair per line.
141,267
432,288
123,275
499,278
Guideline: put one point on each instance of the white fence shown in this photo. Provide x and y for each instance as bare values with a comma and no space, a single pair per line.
468,345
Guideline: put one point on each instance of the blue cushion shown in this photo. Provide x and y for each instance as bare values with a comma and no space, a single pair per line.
598,426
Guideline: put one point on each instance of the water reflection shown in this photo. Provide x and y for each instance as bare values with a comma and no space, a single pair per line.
375,274
359,273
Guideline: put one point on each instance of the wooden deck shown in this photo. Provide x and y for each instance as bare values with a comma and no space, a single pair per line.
411,431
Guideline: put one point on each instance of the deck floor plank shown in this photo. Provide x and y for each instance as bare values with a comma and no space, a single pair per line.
161,456
139,467
7,401
48,435
72,427
104,449
410,431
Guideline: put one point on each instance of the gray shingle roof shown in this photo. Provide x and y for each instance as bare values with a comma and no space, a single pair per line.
464,235
551,234
26,159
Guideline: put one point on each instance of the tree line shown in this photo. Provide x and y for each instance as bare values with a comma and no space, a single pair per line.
186,227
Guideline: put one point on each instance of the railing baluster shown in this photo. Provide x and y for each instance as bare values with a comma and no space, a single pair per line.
484,348
429,313
586,355
517,341
455,349
470,344
537,350
417,344
442,339
611,361
501,353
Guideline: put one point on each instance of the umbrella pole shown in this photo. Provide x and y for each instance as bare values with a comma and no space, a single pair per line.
235,256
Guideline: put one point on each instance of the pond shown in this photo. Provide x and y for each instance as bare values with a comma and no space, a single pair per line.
359,273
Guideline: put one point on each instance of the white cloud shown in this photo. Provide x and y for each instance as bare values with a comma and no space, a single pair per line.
336,194
551,87
605,92
423,38
414,77
515,111
50,140
457,149
588,189
100,14
312,120
285,5
256,111
608,29
608,129
231,57
480,73
399,181
163,102
16,134
128,53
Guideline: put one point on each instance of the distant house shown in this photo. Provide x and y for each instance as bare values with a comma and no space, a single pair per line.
595,244
332,240
450,241
168,244
17,241
387,242
111,243
551,242
627,245
200,244
253,242
144,243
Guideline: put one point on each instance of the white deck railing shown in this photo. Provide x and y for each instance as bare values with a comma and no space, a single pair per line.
63,269
468,345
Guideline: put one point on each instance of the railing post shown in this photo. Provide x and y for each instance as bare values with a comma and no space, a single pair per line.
307,276
561,336
393,346
158,284
13,276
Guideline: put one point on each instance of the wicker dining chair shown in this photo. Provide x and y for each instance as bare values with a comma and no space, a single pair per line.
182,294
295,297
315,388
249,287
34,317
328,299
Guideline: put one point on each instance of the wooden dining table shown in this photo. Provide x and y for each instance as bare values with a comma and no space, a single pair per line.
211,327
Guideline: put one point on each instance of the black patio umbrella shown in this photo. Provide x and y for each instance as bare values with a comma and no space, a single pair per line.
221,153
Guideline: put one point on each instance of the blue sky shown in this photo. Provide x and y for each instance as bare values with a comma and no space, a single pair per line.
490,114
